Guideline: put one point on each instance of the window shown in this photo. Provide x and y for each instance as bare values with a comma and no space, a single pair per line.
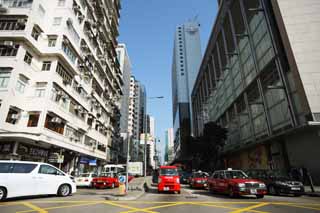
21,84
46,66
28,58
35,33
13,115
52,41
61,3
4,76
5,167
40,92
9,49
69,52
12,24
33,119
67,78
54,123
23,168
41,11
49,170
57,21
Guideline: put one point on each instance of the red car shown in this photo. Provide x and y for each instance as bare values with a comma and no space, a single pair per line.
235,183
168,179
199,180
106,180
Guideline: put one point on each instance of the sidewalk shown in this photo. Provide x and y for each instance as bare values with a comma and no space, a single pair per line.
136,189
310,193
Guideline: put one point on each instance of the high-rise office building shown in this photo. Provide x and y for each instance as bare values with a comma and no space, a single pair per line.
169,146
259,78
136,119
60,81
185,65
125,67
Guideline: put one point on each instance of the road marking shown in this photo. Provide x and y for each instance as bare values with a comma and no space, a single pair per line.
34,207
223,207
155,207
303,207
133,209
250,207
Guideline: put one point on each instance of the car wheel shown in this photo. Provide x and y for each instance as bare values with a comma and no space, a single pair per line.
3,193
64,190
231,193
259,196
272,190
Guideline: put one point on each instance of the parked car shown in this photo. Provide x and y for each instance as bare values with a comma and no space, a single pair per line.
235,183
24,178
278,182
199,180
85,179
169,179
184,178
106,180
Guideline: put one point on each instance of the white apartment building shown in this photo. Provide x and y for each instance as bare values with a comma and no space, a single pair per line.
60,81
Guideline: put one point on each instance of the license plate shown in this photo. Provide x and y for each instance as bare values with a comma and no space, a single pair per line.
295,188
166,188
253,191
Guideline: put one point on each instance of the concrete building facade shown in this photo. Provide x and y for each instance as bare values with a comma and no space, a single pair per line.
185,66
60,81
259,78
125,67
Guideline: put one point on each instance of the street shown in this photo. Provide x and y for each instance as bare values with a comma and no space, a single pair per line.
190,200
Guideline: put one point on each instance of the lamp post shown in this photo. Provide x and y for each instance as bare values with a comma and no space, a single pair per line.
145,138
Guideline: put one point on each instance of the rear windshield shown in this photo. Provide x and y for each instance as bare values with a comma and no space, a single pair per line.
169,172
17,167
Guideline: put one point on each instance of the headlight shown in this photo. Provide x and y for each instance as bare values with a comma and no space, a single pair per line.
241,185
178,180
159,180
262,185
198,181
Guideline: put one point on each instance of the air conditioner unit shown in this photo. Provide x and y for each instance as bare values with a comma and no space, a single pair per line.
64,97
77,8
60,93
81,17
8,43
56,120
21,22
78,108
15,116
3,9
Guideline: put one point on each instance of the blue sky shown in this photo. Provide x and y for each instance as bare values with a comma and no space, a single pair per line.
147,28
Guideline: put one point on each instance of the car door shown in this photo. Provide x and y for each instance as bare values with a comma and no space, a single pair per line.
21,181
49,179
214,181
220,182
223,182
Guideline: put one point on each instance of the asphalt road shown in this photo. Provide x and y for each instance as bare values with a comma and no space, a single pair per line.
189,201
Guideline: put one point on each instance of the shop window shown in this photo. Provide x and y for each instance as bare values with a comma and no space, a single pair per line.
46,66
13,115
36,32
28,58
5,73
9,49
54,123
33,119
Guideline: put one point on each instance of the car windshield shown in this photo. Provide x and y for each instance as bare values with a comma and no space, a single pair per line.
106,175
169,172
279,174
235,175
200,175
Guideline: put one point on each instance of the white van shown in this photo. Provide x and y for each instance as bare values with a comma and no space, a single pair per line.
24,178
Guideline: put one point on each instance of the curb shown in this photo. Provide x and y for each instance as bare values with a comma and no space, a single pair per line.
143,189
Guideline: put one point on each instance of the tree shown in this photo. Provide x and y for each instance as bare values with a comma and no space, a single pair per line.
206,148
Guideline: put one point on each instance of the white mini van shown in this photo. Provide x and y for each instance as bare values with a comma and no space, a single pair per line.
24,178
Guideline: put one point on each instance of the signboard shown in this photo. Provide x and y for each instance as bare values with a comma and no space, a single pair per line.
92,162
135,168
6,148
24,149
122,179
56,158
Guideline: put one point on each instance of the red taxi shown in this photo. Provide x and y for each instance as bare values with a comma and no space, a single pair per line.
235,183
168,179
106,180
198,180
